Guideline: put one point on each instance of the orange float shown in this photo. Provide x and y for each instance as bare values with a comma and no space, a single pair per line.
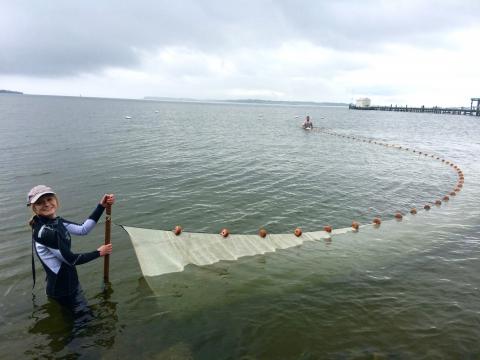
177,230
298,232
262,233
224,232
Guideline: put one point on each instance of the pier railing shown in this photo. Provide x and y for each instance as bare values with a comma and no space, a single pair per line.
422,109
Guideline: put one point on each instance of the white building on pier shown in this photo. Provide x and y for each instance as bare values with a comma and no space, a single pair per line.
363,102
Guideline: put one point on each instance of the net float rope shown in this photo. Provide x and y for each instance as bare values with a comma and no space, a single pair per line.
437,202
166,251
377,220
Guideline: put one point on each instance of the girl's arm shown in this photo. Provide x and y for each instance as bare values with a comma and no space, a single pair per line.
89,224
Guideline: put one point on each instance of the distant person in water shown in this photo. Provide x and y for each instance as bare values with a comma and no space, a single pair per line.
52,243
307,124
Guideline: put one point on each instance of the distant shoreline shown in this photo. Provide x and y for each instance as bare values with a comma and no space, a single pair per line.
11,92
204,101
248,101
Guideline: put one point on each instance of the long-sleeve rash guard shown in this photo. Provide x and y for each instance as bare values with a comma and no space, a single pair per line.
52,243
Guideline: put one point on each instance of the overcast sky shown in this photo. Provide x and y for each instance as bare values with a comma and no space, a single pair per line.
419,52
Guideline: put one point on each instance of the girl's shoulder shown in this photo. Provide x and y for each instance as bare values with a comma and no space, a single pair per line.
38,222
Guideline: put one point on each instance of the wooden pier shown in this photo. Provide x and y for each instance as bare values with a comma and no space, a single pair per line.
472,111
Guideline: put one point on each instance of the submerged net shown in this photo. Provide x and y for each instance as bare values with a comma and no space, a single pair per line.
162,252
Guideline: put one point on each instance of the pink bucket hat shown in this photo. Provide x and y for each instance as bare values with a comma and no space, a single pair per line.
36,192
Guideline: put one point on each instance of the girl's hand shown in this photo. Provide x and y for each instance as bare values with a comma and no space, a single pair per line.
105,249
107,199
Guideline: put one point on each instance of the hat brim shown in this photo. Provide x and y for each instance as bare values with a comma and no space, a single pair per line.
34,199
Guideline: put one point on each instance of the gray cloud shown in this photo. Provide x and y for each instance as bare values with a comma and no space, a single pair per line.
61,38
366,24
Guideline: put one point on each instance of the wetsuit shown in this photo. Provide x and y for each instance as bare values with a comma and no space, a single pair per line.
52,243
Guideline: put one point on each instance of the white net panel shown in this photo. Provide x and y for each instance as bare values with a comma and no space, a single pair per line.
162,252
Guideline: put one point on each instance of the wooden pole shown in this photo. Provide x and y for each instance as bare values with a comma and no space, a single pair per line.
106,263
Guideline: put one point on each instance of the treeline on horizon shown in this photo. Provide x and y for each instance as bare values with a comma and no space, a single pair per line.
250,101
10,92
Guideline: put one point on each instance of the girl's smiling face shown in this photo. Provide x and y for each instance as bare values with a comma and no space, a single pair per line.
46,206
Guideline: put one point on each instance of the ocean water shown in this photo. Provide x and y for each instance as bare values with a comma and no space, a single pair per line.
408,289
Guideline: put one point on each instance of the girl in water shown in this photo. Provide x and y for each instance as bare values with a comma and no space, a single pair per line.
52,243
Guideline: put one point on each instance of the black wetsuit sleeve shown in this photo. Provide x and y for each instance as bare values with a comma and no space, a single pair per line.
97,213
77,259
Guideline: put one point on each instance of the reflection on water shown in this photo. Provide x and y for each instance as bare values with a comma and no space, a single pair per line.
70,334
